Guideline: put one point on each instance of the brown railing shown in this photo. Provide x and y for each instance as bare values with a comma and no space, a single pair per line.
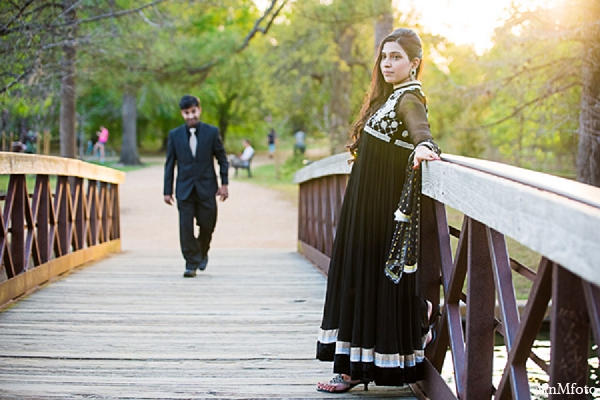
57,214
557,218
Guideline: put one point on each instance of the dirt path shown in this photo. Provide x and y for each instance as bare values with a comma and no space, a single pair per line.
252,217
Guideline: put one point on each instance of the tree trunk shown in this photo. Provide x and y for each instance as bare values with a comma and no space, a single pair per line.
68,139
342,89
588,159
129,149
223,125
384,24
224,110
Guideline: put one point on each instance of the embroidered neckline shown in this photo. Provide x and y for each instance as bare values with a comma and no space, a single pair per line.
407,84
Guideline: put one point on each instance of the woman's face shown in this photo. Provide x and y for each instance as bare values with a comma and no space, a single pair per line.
395,64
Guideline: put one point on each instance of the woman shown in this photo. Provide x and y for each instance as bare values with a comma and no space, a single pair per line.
373,328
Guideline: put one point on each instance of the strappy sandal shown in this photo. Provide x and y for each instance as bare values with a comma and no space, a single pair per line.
339,379
429,321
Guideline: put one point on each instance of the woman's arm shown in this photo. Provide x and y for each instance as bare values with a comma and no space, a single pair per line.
412,111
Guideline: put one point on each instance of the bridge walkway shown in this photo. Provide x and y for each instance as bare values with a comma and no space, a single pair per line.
130,326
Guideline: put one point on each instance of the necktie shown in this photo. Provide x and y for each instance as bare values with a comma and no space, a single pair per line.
193,141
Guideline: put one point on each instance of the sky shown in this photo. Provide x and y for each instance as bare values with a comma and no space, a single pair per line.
466,21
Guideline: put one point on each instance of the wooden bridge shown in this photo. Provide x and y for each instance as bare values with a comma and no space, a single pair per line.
555,217
127,325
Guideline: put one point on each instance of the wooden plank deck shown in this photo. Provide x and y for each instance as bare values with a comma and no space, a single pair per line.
130,327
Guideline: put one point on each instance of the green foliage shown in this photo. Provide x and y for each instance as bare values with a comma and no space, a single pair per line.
518,102
533,120
163,60
292,164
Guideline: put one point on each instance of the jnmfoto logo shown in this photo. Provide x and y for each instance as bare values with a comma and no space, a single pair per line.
567,388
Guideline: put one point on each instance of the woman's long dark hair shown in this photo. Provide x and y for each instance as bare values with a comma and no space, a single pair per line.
380,90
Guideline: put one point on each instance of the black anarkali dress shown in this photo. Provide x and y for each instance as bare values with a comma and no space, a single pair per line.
372,327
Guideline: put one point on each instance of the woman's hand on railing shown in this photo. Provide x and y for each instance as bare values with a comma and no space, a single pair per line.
424,153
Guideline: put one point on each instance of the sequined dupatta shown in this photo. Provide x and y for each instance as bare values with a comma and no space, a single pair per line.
404,249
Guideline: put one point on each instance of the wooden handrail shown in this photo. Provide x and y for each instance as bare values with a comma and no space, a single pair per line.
555,217
29,164
64,223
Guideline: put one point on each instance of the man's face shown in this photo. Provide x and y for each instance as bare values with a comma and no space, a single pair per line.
191,115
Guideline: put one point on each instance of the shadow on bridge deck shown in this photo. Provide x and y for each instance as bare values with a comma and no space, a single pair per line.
130,326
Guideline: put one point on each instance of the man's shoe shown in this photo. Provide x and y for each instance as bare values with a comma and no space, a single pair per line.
202,265
189,273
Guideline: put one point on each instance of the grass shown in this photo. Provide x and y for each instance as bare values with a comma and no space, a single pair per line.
271,177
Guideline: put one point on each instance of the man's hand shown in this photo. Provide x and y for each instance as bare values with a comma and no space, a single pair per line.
169,199
223,193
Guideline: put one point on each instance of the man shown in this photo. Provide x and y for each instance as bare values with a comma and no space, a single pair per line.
192,147
244,159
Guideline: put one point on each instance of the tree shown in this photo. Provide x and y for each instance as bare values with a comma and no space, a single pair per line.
181,49
588,159
519,100
384,22
129,147
321,58
31,32
68,143
34,29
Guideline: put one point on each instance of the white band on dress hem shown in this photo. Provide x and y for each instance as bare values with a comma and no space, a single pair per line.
358,354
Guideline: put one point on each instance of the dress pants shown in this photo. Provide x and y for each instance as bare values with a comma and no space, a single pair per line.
204,212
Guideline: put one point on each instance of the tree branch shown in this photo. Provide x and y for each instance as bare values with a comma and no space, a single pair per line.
517,110
113,14
204,69
17,79
147,20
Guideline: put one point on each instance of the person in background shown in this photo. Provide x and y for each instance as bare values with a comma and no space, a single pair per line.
101,143
192,147
375,324
299,145
243,160
271,139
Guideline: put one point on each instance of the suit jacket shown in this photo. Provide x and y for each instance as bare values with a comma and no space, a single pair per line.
195,172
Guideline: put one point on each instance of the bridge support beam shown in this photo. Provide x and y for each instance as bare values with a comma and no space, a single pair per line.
569,335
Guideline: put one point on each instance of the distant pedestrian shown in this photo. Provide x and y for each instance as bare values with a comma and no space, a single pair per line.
271,141
101,143
300,144
30,142
192,147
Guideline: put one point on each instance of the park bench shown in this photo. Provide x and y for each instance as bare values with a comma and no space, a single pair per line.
247,167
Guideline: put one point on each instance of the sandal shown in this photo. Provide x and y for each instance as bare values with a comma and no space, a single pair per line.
336,382
429,320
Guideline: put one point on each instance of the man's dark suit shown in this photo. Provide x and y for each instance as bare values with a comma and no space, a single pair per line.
196,186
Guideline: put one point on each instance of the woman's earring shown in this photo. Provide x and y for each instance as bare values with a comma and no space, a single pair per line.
413,74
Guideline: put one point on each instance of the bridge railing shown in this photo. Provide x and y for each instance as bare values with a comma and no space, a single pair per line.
557,218
57,214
